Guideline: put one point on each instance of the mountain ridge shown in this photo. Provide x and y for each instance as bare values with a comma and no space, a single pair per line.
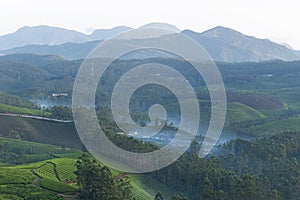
222,43
233,46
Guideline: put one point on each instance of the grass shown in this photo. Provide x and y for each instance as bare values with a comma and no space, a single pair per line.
29,192
47,170
145,187
235,112
9,197
258,101
31,165
56,186
57,175
16,151
15,176
140,193
278,126
65,168
53,175
238,112
19,110
73,155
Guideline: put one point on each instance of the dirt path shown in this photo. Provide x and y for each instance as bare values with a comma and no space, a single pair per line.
55,171
37,180
121,175
69,196
35,117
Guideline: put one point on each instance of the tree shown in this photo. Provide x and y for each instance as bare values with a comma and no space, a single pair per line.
275,195
61,112
158,196
97,182
246,187
123,189
208,189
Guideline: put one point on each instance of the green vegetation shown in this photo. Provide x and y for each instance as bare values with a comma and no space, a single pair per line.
47,171
17,105
19,110
10,175
43,175
238,112
56,175
259,88
56,186
97,182
263,100
61,112
23,182
12,100
15,151
29,192
265,168
146,187
241,171
9,197
138,192
276,157
200,178
278,126
65,168
275,122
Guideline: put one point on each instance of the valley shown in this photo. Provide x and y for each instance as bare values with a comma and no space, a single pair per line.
40,146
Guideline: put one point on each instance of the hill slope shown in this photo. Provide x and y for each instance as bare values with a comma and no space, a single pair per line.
50,169
60,134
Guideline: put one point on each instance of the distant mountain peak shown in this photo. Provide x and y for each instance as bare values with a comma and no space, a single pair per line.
121,27
41,28
221,31
40,35
222,43
225,44
223,28
161,25
101,34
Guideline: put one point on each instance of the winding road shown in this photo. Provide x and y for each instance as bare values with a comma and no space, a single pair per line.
36,117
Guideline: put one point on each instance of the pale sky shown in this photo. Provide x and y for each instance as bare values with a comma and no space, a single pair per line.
278,20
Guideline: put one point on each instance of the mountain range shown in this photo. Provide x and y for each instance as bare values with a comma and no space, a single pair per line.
222,44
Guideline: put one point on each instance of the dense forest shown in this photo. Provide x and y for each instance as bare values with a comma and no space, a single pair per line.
260,169
266,168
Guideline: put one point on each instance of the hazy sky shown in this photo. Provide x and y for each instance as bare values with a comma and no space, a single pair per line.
278,20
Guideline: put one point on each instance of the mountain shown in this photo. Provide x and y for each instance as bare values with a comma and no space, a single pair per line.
161,26
222,44
40,35
287,45
47,35
70,51
234,46
101,34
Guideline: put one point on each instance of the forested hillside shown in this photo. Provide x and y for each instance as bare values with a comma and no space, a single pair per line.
266,168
